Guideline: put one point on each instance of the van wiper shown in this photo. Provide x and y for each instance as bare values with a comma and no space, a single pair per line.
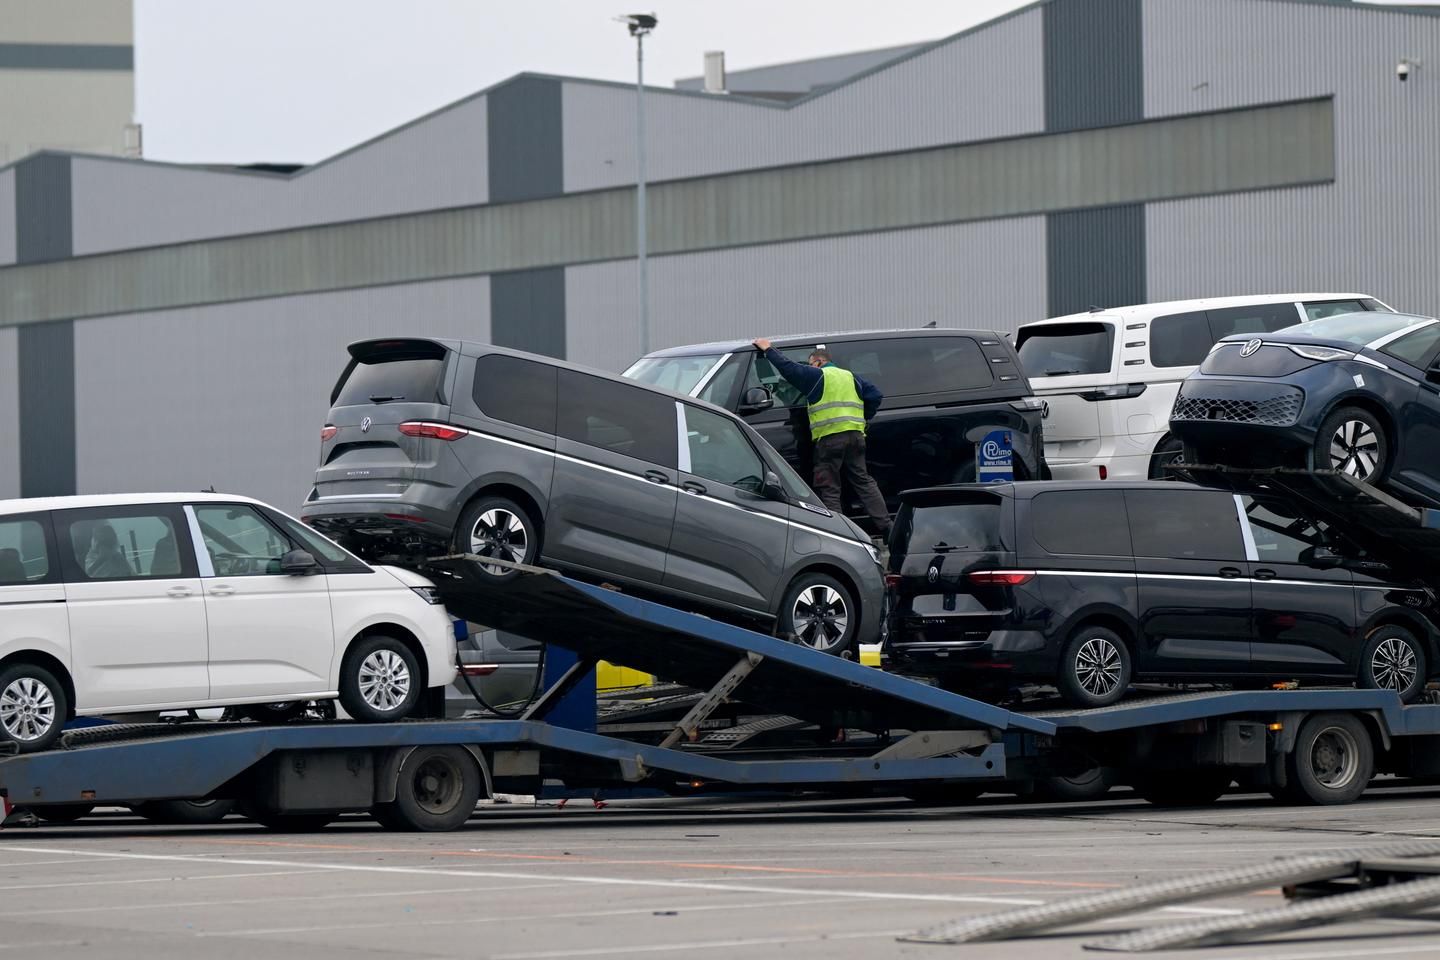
943,547
383,399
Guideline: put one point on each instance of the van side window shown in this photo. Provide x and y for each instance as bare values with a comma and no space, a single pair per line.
915,365
1086,523
1180,339
1329,308
120,543
617,417
721,387
1185,524
24,556
763,374
239,542
1259,318
1280,536
719,451
516,391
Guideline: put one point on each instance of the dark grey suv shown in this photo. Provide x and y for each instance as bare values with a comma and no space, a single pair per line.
438,443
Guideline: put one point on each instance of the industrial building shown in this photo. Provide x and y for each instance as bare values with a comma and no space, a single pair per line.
167,326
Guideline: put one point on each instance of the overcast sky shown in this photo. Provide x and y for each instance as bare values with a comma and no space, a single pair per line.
299,80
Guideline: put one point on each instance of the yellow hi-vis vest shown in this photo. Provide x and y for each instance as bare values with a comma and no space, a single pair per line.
839,407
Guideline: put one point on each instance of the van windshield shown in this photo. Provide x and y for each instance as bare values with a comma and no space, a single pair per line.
679,374
1066,349
386,381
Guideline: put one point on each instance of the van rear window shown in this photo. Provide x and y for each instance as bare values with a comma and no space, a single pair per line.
1066,349
384,381
972,527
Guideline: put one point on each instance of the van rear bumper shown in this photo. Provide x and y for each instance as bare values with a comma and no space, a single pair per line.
354,521
1023,651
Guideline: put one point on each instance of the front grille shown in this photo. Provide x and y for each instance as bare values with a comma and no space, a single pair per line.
1276,410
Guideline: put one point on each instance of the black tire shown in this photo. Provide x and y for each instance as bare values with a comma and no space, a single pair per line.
33,707
1095,668
1184,788
943,794
1353,441
819,612
501,528
273,713
1167,451
1092,784
1332,763
380,680
1394,659
436,790
63,812
192,812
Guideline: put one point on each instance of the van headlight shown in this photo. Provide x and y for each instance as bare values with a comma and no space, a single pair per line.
430,595
874,554
1320,353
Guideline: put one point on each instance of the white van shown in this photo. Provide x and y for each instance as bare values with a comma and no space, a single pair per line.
1109,377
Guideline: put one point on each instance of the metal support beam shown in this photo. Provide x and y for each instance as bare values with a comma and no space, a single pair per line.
689,724
924,744
546,701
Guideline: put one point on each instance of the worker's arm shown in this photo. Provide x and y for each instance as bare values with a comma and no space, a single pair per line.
803,377
870,395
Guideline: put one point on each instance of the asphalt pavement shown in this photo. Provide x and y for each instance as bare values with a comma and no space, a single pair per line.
701,877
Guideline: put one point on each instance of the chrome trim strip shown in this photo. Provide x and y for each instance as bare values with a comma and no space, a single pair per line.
360,496
1383,341
709,375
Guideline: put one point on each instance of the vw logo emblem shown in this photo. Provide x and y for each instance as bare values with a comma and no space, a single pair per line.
933,575
365,425
1250,347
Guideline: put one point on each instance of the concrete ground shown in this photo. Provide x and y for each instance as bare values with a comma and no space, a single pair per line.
696,878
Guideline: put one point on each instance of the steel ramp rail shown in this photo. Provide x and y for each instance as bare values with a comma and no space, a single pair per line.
602,624
1289,871
1398,899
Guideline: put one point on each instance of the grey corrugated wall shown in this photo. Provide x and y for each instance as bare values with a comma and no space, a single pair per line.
46,379
9,413
1093,55
235,395
524,139
7,217
42,208
1378,227
1096,258
527,311
989,275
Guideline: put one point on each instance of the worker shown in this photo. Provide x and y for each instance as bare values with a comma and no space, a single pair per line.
840,402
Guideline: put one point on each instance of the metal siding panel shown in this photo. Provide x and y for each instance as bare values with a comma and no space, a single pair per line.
804,75
9,413
527,311
1095,258
1093,63
440,161
7,217
46,361
526,155
42,208
1377,227
979,86
244,388
987,275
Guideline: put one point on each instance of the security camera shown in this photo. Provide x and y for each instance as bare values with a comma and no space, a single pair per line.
1402,70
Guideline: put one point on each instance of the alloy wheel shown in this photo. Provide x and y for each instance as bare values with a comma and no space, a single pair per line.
500,534
1098,666
1334,757
1393,665
27,709
820,617
384,680
1355,449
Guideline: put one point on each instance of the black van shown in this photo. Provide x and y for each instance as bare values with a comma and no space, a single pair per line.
949,395
1091,585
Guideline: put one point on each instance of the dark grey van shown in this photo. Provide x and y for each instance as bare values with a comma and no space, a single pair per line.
457,445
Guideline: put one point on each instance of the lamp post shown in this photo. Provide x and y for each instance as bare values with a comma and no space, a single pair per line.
640,24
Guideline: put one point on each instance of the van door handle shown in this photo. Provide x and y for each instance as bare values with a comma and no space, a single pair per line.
692,487
222,590
655,476
1265,574
178,593
1230,573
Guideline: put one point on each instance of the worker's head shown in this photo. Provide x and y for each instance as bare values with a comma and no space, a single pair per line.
819,357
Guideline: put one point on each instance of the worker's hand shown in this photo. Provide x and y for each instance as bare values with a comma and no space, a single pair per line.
761,344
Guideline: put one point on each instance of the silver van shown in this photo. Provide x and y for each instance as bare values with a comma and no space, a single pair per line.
450,445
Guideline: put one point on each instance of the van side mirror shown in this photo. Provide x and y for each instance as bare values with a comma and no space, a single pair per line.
299,563
1321,558
755,400
1434,374
771,488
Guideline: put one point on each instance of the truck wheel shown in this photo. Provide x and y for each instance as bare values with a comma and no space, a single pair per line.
63,812
819,612
193,812
1176,788
33,707
380,680
1394,660
1333,761
1095,668
1089,785
436,790
499,528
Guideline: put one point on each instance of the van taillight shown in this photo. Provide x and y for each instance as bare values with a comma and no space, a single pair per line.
328,431
1000,578
892,580
436,431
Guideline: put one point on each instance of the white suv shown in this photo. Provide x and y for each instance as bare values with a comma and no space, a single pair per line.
1109,377
145,602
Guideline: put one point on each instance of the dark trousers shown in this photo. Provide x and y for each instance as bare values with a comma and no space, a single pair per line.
841,456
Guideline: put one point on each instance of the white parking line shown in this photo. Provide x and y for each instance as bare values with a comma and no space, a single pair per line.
698,945
170,879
